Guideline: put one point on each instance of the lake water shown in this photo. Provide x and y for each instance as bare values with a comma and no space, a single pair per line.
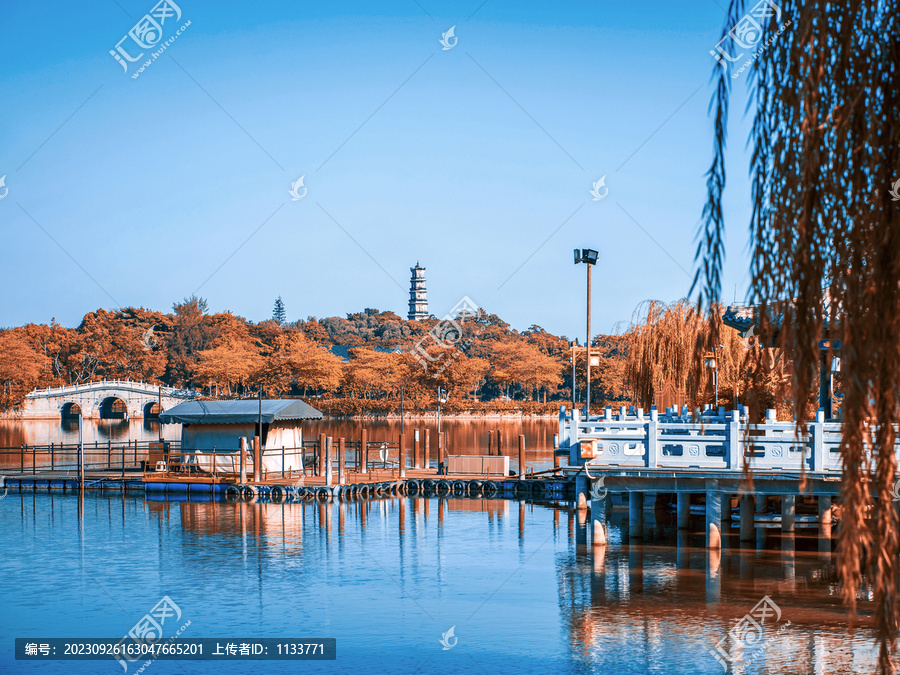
389,578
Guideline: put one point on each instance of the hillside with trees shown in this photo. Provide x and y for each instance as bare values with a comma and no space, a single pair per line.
358,364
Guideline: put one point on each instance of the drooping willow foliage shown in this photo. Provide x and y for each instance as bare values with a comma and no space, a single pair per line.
825,243
662,344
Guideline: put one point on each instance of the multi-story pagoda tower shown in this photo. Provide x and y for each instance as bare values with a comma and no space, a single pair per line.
418,298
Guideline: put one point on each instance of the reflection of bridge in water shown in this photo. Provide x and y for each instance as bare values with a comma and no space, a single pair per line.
105,400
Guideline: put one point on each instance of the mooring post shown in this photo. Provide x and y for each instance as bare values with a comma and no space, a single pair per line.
683,510
364,450
747,518
426,461
243,460
51,457
33,460
320,458
636,515
401,455
499,443
788,512
341,449
417,450
490,443
327,445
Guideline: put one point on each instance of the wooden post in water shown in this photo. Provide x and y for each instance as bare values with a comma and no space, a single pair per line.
33,459
401,455
427,449
341,450
364,450
243,459
521,456
490,443
327,456
417,450
80,454
320,459
51,456
499,443
257,459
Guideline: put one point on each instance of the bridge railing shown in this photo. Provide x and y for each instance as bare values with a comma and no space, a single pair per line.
721,441
127,385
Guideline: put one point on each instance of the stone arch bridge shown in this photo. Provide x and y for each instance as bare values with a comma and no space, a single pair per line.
107,399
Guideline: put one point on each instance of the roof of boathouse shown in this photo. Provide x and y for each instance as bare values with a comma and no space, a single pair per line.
239,412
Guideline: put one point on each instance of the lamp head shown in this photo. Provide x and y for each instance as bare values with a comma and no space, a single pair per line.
577,256
589,256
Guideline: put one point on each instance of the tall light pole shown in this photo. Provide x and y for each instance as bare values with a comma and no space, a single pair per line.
588,256
712,362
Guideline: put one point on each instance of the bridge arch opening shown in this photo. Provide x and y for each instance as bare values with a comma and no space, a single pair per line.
113,408
70,411
152,410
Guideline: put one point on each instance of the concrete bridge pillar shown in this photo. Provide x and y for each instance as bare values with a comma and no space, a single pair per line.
683,510
747,514
788,512
824,517
636,515
713,519
598,521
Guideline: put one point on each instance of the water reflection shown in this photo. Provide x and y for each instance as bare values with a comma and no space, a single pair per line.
387,577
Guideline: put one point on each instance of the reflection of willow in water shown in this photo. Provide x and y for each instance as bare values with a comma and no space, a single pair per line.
632,602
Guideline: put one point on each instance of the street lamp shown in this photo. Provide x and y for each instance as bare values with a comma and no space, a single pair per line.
588,256
443,397
712,362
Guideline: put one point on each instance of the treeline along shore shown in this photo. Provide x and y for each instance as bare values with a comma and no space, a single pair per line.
369,363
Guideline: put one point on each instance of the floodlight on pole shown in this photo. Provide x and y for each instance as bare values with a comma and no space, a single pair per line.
588,256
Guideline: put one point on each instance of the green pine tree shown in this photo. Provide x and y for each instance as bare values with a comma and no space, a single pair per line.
279,316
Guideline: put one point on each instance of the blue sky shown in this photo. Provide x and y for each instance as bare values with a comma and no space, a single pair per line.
476,161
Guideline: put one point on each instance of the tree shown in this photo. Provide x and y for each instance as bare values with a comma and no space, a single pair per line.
22,368
191,333
297,360
825,246
279,316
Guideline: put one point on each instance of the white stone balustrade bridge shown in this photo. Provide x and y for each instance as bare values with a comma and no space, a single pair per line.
107,399
671,452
